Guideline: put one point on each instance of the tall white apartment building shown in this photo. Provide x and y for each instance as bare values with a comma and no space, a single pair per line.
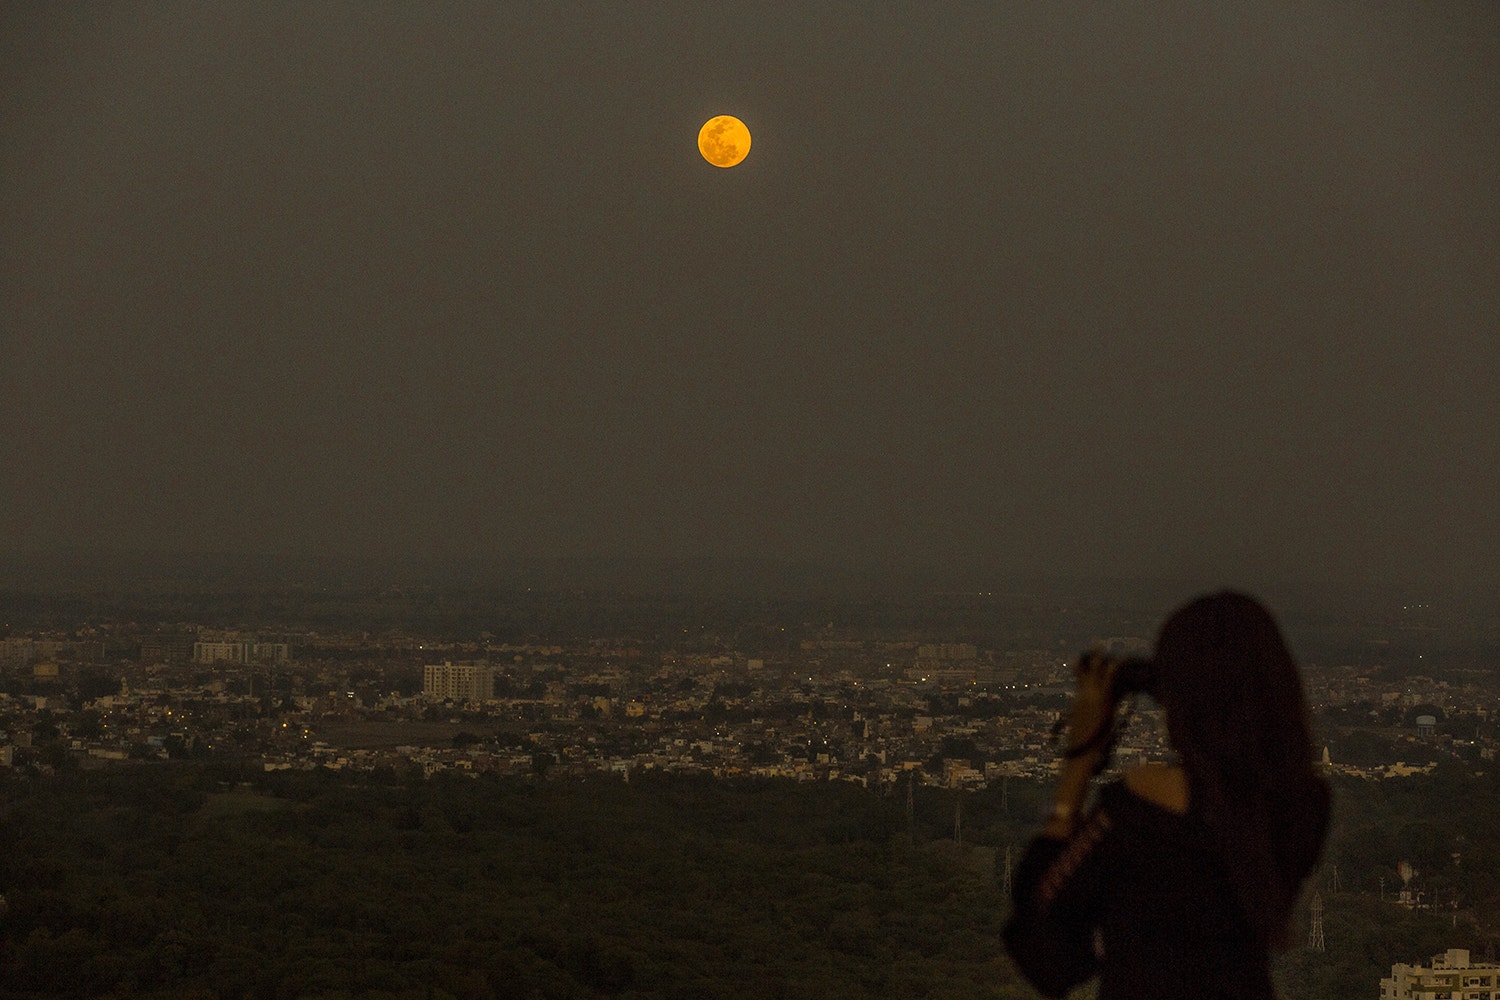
1451,976
458,681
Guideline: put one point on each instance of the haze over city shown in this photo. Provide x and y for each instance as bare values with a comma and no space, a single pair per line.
1208,292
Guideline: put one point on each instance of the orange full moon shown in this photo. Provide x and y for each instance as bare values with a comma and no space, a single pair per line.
724,141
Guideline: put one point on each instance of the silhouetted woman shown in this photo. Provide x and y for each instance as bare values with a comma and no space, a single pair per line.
1180,880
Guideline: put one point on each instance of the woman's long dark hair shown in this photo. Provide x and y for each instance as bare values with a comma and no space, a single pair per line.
1237,716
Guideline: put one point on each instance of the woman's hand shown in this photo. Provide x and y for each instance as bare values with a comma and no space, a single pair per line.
1089,720
1094,705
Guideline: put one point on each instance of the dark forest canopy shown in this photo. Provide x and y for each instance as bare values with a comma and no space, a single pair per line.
202,880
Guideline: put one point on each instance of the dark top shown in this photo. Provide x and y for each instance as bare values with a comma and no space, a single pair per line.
1143,885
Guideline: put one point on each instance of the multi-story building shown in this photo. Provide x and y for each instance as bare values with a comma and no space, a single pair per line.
458,681
948,651
166,647
240,651
270,652
17,648
221,652
1451,976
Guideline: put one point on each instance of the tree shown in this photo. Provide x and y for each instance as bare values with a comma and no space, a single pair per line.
89,725
45,729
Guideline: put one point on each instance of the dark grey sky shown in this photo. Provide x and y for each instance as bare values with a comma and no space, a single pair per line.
1210,290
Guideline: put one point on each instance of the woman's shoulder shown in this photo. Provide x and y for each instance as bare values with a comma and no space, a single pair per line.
1162,785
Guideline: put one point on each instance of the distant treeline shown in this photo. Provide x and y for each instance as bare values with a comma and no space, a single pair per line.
755,623
1383,640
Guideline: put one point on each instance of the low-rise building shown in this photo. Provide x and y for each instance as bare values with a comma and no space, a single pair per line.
1451,976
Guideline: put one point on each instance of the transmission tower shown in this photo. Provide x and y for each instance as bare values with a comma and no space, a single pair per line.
911,814
1315,940
1005,794
1006,881
1333,881
958,821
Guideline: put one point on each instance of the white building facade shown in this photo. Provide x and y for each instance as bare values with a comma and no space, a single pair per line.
458,681
1451,976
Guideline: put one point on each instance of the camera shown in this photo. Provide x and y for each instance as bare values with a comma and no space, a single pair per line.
1133,674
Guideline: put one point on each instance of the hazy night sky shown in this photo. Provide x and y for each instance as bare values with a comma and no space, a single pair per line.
1207,290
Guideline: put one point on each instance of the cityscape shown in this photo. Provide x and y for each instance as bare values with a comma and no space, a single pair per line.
938,712
930,721
829,705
